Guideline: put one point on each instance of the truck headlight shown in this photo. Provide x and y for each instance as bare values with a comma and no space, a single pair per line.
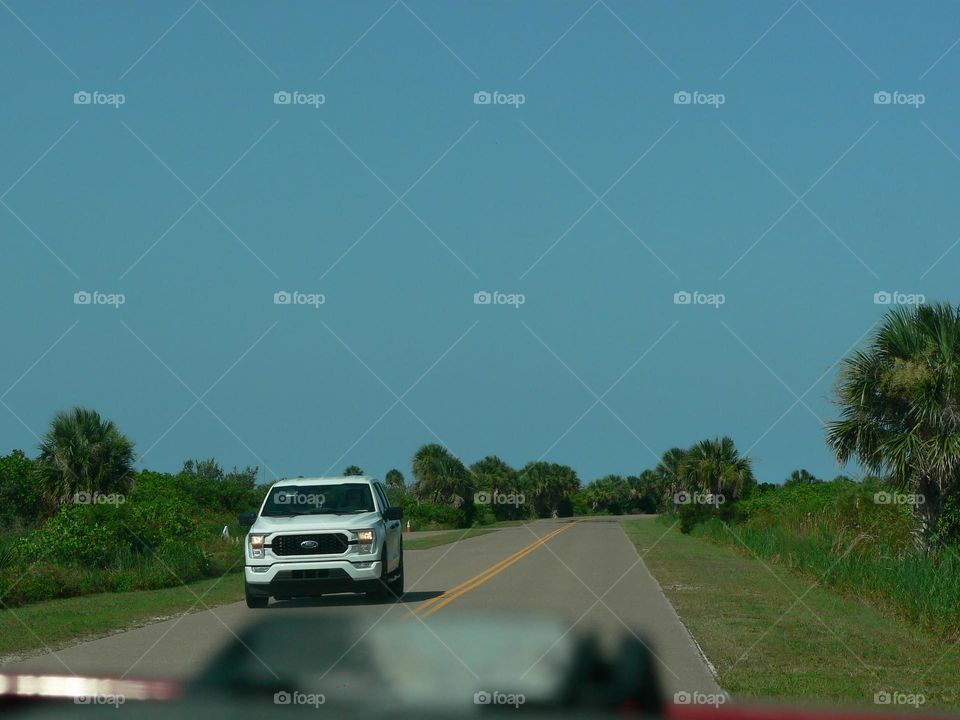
256,545
365,540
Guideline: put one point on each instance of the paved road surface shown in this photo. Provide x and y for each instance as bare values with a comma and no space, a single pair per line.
588,574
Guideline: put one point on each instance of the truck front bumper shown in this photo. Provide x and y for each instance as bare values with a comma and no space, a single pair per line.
294,579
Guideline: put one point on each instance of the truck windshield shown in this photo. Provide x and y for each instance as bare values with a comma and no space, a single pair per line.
345,498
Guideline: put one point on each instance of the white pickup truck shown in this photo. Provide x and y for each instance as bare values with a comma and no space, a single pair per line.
315,536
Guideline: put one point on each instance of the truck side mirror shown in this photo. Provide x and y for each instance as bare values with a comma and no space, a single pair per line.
393,513
248,518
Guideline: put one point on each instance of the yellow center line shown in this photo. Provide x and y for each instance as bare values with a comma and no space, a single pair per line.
434,604
493,567
507,559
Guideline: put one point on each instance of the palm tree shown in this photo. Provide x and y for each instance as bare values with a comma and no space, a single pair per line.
610,493
802,477
899,402
716,466
550,486
441,477
353,471
81,452
395,481
497,477
646,491
492,473
671,471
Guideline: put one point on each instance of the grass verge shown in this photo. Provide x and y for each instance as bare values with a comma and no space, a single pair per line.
766,643
54,623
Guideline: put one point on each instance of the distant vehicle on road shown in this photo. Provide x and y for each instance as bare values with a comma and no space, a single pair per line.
316,536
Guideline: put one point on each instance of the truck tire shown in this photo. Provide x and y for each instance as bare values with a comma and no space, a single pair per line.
395,586
386,589
255,601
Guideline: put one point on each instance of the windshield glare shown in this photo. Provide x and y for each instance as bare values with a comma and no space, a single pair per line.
316,499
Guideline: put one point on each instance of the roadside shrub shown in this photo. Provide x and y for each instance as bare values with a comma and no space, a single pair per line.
21,494
691,515
101,535
840,511
694,514
433,516
46,581
839,534
948,529
164,520
166,532
484,515
230,494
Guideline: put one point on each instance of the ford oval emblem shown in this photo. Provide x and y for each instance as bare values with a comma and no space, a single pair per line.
309,545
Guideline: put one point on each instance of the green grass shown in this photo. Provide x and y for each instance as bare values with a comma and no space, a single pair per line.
861,548
764,644
57,622
444,538
918,588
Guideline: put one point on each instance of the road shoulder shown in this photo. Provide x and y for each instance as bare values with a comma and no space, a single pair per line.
765,643
52,625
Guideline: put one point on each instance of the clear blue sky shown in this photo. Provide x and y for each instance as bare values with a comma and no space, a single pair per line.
293,198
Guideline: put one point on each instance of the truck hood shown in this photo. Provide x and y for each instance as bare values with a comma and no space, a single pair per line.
315,523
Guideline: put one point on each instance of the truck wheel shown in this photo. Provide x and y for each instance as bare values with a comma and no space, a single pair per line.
382,591
255,601
396,585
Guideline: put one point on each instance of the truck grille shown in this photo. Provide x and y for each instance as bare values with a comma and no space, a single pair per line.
327,544
331,574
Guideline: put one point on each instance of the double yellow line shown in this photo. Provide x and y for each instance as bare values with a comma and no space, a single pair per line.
432,605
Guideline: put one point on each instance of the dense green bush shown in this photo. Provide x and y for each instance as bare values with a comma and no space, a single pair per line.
694,514
78,520
83,549
171,566
21,493
432,516
841,510
838,533
105,535
228,494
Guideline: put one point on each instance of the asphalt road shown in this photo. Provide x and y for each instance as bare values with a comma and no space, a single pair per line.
587,574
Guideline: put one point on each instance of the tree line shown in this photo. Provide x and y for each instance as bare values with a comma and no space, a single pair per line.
898,399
